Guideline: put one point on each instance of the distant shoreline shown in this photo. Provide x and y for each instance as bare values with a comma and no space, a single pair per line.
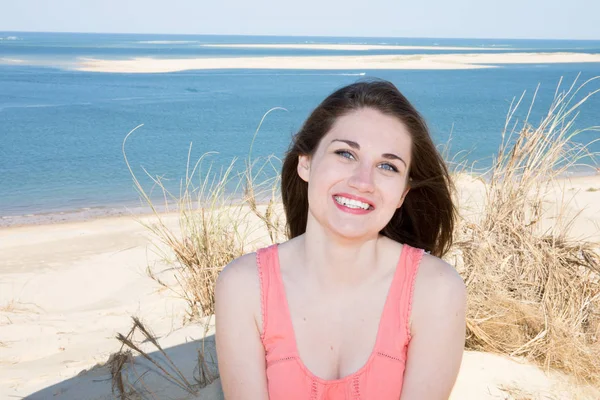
389,62
348,47
128,210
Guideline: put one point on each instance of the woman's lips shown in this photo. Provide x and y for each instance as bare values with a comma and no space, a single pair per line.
357,198
350,210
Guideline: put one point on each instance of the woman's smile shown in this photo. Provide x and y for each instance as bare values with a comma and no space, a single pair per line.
352,204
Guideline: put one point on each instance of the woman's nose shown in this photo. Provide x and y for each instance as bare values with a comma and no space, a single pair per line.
362,178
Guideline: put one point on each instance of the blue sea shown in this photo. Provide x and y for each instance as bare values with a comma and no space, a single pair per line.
61,130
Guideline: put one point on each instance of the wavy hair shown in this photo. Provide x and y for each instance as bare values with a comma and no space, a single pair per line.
426,218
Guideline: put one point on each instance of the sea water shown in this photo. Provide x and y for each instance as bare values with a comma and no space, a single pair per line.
62,131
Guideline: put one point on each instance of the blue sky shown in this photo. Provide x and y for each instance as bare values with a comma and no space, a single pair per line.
543,19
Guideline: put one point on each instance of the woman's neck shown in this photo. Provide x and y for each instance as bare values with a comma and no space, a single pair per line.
338,261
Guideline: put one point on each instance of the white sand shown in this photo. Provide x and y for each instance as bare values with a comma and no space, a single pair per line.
67,289
417,62
4,60
348,47
579,194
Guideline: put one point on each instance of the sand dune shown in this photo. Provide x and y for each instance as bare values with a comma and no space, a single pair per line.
66,289
416,62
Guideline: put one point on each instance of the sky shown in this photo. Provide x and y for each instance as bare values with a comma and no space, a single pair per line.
509,19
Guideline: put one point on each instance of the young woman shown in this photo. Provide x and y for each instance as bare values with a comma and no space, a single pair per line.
357,304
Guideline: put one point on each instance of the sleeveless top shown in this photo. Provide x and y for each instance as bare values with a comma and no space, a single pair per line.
380,378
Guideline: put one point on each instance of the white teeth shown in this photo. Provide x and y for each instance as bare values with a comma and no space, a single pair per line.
351,203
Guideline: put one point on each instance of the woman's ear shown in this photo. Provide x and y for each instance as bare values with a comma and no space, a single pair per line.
403,196
304,167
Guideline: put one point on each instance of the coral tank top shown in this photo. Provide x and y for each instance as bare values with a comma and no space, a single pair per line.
380,378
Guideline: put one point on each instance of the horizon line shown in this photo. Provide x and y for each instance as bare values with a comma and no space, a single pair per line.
295,35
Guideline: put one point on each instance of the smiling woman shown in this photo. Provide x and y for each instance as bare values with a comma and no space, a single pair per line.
377,114
352,306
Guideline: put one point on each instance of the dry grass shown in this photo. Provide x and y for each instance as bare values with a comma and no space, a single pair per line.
557,392
215,227
14,307
512,392
128,382
18,307
531,292
219,220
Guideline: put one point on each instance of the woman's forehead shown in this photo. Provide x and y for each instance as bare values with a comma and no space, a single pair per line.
369,127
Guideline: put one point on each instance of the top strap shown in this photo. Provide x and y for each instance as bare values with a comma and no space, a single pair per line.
277,327
263,263
413,260
395,324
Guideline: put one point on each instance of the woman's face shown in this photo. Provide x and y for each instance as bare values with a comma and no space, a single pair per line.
357,177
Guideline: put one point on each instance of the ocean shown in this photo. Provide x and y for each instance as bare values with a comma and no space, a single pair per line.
62,131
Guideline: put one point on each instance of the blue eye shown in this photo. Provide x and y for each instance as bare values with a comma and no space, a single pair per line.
345,154
389,167
348,155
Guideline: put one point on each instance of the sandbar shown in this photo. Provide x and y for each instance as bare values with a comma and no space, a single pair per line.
373,62
348,47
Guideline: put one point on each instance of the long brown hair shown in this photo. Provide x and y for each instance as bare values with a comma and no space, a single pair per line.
426,218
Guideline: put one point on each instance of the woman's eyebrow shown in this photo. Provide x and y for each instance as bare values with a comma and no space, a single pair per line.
350,143
391,156
354,145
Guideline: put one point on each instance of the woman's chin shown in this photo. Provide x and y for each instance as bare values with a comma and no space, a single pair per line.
353,231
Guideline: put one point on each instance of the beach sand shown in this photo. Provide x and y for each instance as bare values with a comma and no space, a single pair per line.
66,290
416,62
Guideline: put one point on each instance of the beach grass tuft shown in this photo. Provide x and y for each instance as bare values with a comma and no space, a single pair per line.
220,219
533,290
128,374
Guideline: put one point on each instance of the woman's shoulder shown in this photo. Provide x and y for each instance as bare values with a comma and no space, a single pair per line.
241,273
439,289
238,284
436,273
241,277
430,270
